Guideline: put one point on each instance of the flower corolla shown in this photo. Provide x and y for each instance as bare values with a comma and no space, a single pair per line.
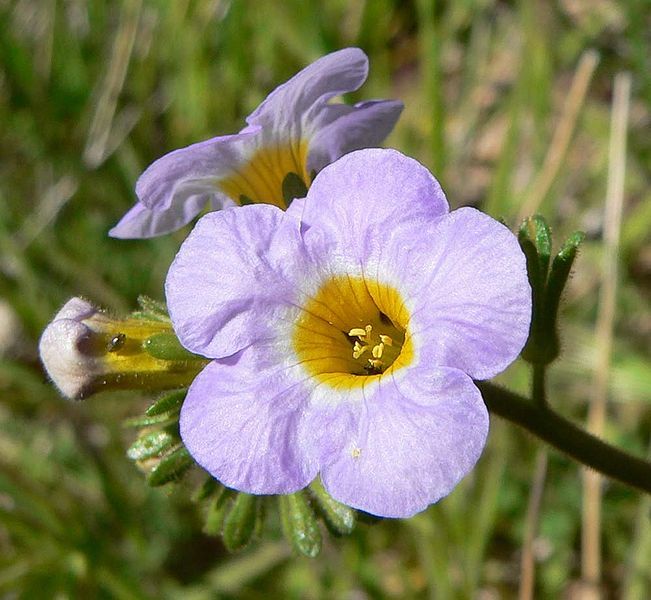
345,334
292,135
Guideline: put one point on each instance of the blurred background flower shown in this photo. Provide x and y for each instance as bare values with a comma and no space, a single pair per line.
509,105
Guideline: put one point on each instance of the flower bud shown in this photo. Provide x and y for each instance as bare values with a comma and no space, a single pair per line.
84,350
547,284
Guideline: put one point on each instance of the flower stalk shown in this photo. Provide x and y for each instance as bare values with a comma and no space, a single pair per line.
567,437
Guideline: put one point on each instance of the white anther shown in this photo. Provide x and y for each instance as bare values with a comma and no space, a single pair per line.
378,350
386,340
358,350
357,332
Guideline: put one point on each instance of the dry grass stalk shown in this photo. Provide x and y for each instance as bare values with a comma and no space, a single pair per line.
591,530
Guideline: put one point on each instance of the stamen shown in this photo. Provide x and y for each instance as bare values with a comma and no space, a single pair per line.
363,343
357,332
378,344
358,350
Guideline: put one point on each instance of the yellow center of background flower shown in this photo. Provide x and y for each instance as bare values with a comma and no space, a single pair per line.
260,180
353,331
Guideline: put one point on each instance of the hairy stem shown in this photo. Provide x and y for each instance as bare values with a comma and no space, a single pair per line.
567,437
539,390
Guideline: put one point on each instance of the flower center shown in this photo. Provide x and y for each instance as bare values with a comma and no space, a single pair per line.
260,180
352,331
376,351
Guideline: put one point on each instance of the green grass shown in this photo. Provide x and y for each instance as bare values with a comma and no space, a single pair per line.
92,92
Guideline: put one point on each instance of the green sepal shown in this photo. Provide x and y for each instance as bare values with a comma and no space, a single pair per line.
543,345
260,516
155,420
208,488
537,231
368,518
167,404
217,511
293,187
300,524
152,444
536,243
151,309
339,518
560,271
166,346
171,467
535,240
240,522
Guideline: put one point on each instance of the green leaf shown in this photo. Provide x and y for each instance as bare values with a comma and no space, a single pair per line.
339,518
152,444
167,403
293,187
171,467
240,522
300,524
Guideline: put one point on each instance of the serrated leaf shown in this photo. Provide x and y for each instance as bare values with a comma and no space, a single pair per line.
171,467
239,523
152,444
167,403
339,518
300,524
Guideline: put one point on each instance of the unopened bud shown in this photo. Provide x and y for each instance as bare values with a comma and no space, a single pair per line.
84,350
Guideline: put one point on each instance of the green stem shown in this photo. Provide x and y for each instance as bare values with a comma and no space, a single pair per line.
567,437
539,392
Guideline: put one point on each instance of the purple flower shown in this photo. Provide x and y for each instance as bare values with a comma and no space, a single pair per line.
345,334
295,132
